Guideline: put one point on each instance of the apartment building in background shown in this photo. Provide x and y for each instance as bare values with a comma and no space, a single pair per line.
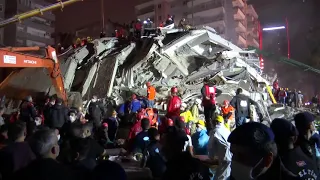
34,31
235,20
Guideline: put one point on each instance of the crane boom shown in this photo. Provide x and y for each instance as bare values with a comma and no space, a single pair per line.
35,12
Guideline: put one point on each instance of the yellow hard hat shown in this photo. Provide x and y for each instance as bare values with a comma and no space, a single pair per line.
220,119
201,122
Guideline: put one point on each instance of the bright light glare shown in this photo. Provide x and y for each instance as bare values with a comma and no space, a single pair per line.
273,28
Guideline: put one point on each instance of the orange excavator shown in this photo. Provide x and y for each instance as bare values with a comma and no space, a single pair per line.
13,57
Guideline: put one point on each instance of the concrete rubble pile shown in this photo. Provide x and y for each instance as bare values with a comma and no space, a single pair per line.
174,58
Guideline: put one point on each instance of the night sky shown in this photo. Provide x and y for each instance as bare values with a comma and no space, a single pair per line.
302,16
83,13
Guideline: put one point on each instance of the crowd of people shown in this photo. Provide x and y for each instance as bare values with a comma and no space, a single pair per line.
286,96
53,141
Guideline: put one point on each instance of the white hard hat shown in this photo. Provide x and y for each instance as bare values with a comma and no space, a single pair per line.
184,105
198,101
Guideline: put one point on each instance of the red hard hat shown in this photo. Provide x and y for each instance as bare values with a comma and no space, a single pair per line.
170,122
134,96
181,118
225,102
148,84
174,90
105,125
140,116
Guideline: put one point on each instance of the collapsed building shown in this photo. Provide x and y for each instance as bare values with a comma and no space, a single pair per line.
114,69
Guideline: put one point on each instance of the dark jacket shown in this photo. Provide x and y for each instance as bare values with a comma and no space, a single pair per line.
27,111
45,169
183,166
14,157
96,111
277,171
58,115
308,148
299,163
242,103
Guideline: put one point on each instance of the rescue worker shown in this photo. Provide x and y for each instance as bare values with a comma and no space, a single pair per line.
183,24
209,93
305,125
135,105
174,104
58,115
292,157
102,34
275,86
147,25
169,20
315,100
219,149
151,95
282,96
96,112
188,118
242,103
27,110
46,109
255,154
113,124
138,28
300,99
228,113
200,139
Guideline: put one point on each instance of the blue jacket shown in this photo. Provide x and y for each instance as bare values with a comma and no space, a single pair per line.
200,142
135,106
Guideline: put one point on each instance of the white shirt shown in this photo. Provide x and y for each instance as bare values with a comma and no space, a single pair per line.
187,143
219,147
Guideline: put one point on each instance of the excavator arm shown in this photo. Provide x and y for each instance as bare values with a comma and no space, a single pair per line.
12,58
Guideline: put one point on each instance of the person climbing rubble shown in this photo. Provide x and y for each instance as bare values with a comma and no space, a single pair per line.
169,21
275,86
183,24
227,112
138,28
300,100
282,96
151,95
135,105
147,25
242,103
209,93
174,104
315,100
188,117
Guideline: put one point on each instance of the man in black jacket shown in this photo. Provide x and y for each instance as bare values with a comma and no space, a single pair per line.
96,112
305,126
242,103
255,154
292,157
58,115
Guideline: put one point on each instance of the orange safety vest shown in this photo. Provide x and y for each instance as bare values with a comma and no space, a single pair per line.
151,93
226,110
